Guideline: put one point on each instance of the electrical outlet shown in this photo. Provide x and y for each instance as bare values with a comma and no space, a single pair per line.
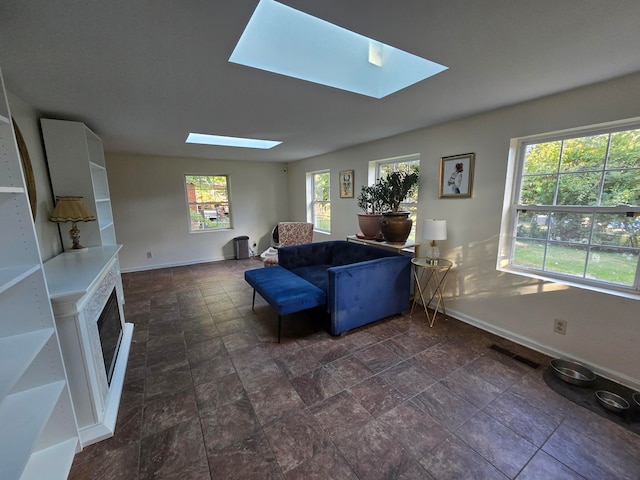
560,326
149,255
255,244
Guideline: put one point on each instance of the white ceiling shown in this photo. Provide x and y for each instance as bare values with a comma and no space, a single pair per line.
142,74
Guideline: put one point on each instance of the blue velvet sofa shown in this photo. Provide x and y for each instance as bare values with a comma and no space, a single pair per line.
362,283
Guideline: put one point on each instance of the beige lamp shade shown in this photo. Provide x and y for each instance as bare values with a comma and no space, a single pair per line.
433,230
71,209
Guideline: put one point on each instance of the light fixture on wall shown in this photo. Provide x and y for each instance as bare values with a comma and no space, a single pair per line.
433,230
72,209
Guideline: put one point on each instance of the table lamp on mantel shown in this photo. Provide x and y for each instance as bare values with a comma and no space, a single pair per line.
433,230
72,209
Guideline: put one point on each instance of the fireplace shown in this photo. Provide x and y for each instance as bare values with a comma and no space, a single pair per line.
110,330
87,298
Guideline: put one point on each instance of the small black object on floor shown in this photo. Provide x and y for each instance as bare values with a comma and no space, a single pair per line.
586,397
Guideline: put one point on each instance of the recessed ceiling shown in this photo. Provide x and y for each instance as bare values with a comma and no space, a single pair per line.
283,40
238,142
143,76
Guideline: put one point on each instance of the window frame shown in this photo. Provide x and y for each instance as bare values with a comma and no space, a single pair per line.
200,204
512,208
375,174
312,201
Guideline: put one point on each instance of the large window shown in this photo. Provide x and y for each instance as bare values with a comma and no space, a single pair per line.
318,199
410,163
572,211
208,202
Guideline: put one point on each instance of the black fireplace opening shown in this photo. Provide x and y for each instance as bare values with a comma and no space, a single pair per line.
110,328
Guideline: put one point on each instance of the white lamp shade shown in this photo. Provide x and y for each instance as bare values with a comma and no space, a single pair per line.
433,229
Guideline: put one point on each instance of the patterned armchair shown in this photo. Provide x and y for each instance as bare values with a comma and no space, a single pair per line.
290,234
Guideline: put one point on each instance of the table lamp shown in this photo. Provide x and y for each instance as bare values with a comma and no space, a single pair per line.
433,230
72,209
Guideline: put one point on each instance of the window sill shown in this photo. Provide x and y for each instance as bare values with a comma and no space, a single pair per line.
600,288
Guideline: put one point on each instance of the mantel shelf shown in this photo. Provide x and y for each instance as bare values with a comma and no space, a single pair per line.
73,273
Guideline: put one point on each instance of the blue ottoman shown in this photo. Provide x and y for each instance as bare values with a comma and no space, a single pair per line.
284,291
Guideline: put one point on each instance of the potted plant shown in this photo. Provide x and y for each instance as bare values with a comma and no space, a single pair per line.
394,189
372,205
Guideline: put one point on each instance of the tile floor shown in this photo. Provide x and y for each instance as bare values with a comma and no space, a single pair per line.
209,394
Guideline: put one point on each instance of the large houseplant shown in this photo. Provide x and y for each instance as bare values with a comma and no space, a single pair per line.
372,205
394,189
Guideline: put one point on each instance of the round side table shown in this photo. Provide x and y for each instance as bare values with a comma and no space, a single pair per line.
436,272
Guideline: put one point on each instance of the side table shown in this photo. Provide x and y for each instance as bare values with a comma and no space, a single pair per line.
436,273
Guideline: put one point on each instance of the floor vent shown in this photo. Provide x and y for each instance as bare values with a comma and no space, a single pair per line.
519,358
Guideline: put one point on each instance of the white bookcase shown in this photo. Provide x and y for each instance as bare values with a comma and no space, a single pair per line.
77,168
38,431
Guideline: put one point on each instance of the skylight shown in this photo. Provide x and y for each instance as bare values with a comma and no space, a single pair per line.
223,141
283,40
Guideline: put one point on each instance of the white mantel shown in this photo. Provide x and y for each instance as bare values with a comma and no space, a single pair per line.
80,284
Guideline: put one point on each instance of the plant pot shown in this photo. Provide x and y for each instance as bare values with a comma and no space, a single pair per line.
369,224
396,226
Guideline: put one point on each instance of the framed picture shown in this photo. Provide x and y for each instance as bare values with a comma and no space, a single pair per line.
346,184
456,176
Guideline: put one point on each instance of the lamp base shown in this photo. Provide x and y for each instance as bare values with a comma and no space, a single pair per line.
433,253
76,250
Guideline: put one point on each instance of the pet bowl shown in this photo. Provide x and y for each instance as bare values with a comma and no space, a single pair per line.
572,372
611,401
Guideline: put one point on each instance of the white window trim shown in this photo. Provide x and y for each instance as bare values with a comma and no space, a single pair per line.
311,199
510,210
186,199
374,176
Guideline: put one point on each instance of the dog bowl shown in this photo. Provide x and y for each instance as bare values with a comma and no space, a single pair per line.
572,372
611,401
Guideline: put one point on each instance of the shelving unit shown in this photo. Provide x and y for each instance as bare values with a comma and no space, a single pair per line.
77,168
38,434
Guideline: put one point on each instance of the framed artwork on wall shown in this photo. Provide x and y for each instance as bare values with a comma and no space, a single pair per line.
346,184
456,176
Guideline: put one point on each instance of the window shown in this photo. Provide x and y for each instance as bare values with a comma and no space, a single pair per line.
208,202
572,211
318,198
381,168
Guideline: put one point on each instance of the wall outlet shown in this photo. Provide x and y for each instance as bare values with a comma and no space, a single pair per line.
560,326
149,255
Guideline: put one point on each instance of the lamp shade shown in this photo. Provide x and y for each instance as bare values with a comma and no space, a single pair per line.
433,229
71,209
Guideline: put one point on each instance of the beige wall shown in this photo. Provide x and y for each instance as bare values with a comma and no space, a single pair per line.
150,213
602,330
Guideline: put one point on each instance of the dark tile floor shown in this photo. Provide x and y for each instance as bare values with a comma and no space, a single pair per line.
209,394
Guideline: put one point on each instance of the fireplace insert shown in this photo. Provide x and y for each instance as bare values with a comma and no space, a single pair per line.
110,328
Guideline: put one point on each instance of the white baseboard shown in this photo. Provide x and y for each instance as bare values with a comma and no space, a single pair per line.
143,268
533,345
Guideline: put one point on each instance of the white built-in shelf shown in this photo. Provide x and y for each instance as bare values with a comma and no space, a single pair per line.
10,276
25,414
19,350
38,429
11,190
52,462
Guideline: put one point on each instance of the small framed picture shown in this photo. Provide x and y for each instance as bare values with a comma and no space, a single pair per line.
456,176
346,184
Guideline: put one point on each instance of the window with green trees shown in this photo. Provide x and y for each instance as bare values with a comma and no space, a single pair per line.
319,200
208,202
573,210
409,163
